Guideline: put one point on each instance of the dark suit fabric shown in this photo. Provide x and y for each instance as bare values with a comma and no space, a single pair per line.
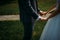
27,16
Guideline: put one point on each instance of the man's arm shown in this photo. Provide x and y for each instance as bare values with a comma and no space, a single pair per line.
30,8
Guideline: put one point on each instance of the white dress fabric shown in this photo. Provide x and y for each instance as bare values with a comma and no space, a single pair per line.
51,30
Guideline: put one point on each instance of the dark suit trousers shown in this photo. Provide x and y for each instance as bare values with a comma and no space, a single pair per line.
28,27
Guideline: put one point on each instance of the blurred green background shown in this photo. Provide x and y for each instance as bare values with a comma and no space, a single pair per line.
13,30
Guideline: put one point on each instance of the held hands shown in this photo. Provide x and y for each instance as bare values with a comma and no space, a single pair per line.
44,19
41,14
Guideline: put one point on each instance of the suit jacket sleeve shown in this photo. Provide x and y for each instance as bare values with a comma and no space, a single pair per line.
31,9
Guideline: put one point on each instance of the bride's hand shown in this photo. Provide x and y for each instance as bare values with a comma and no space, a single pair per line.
44,19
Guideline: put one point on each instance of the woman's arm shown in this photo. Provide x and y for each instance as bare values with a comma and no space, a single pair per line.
57,10
51,8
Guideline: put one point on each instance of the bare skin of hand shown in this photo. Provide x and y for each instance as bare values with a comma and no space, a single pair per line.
44,19
42,13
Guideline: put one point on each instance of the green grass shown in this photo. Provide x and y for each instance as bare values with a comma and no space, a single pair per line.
39,25
9,9
10,30
13,30
45,4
